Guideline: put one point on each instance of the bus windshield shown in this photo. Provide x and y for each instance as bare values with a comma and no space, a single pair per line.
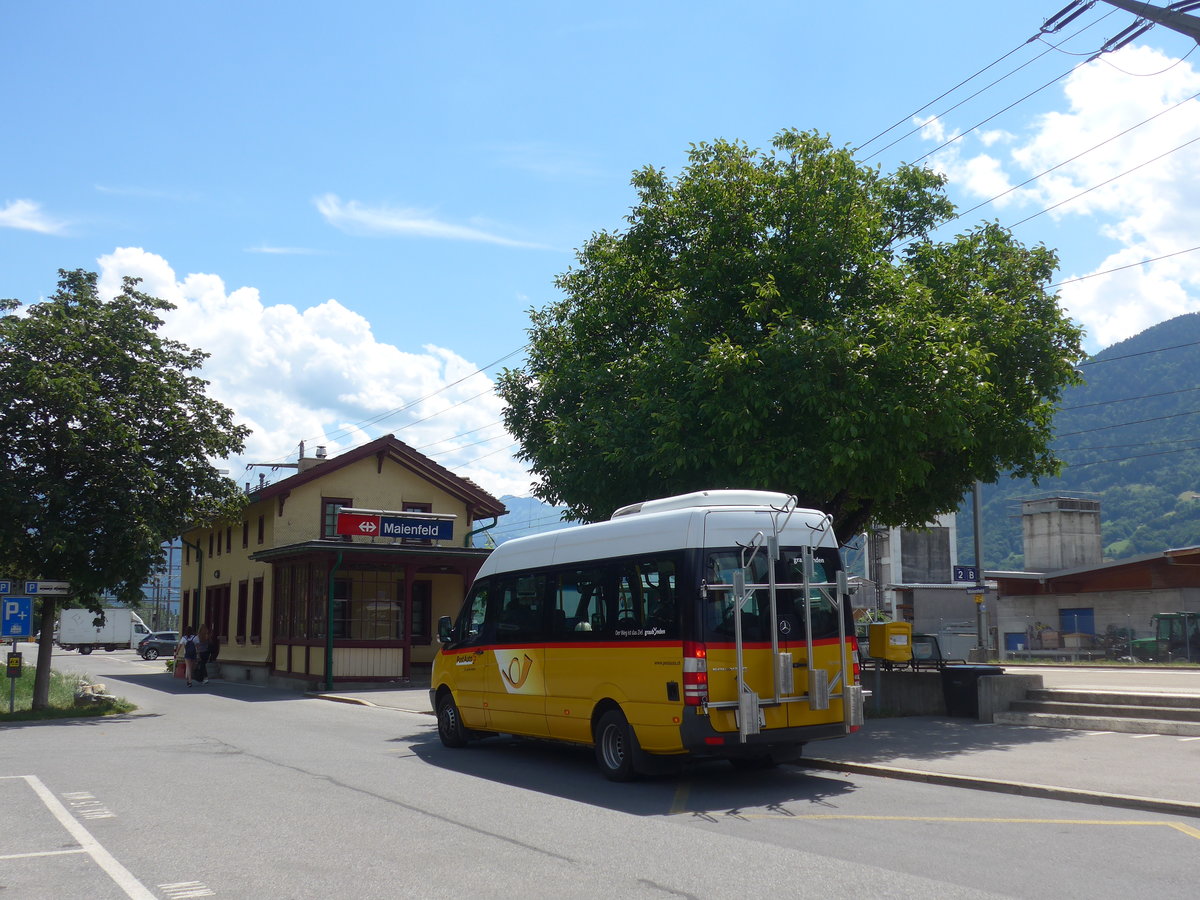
719,606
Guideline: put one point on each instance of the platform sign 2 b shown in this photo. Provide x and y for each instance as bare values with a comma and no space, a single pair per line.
967,573
17,619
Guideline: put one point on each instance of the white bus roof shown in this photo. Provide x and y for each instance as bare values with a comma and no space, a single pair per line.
707,499
672,523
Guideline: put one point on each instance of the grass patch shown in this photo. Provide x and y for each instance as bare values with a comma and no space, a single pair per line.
62,700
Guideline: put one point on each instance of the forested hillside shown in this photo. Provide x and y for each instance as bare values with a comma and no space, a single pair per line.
1131,439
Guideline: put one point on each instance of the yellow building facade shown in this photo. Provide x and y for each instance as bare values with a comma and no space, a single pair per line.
293,600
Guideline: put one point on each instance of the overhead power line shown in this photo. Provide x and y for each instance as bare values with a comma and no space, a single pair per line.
1093,361
1190,412
1107,181
1122,268
921,109
1127,399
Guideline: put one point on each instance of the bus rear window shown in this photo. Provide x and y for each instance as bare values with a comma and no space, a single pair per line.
718,625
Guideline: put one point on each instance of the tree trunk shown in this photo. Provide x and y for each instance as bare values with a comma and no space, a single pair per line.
41,680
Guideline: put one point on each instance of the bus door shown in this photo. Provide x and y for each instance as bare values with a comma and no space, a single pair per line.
581,626
472,655
515,682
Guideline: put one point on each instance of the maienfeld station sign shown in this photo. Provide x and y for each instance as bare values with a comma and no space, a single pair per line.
396,525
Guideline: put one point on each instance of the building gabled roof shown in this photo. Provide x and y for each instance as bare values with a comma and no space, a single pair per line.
481,503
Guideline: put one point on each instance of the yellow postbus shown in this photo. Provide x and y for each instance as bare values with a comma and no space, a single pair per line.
709,624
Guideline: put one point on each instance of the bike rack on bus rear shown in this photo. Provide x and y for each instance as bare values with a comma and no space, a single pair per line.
820,689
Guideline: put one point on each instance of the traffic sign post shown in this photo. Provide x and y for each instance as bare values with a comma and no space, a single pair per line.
14,672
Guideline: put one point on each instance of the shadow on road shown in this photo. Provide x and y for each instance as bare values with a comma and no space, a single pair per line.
166,683
710,788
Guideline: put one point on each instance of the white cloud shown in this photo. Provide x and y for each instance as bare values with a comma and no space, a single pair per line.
26,215
282,251
1116,191
932,128
320,375
355,218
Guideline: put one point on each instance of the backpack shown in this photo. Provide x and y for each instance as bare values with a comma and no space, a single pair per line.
189,648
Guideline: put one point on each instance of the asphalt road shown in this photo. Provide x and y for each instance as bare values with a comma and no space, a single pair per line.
238,791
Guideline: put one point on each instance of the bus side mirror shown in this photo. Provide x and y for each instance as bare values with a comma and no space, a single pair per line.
445,627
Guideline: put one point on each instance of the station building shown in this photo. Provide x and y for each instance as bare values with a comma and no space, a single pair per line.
291,600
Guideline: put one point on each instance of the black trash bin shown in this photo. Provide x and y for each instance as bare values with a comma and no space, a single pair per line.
960,686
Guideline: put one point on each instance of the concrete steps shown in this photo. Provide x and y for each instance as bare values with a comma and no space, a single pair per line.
1174,714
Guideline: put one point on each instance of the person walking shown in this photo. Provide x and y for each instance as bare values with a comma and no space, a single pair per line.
203,648
185,652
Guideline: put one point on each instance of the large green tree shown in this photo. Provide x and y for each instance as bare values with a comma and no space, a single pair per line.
108,438
783,320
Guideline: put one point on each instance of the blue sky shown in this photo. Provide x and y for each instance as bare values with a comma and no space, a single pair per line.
355,205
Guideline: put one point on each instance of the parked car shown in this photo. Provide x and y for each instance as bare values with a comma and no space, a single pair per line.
158,643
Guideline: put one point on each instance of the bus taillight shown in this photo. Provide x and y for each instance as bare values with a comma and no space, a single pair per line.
857,658
695,673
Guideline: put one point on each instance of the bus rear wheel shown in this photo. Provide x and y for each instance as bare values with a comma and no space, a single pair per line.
450,725
614,747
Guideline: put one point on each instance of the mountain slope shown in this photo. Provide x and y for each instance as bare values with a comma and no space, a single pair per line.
1130,437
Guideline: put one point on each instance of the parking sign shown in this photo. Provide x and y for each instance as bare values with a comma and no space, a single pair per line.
17,620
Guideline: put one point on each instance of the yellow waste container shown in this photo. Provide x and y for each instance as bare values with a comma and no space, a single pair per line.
890,641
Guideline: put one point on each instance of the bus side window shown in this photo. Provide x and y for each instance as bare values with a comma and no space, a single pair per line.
522,602
629,602
646,600
579,608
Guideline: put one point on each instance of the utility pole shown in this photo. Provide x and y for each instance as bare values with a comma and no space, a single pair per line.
980,587
1173,16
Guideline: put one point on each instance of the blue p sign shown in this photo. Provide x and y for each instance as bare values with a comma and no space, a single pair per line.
18,614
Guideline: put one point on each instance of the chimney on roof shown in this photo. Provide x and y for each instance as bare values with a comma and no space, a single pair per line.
310,462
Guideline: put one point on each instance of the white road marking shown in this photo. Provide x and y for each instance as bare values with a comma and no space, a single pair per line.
124,879
181,889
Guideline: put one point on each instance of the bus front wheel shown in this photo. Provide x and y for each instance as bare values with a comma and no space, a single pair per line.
614,747
450,725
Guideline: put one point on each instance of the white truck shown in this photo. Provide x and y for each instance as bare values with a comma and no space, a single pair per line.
122,629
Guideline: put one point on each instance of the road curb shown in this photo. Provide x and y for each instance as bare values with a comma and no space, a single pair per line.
356,701
1043,791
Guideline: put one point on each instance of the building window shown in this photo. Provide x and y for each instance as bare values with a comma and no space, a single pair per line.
242,602
330,506
210,545
245,533
422,612
418,508
256,611
229,539
187,554
341,608
216,610
262,528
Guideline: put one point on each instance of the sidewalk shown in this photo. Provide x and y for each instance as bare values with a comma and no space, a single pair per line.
1152,772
